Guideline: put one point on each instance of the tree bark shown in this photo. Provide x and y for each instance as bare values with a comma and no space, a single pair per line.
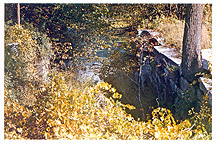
191,56
18,14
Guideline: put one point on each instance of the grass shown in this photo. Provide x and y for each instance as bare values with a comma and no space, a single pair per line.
173,30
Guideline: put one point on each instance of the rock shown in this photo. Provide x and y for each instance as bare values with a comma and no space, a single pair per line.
184,85
206,58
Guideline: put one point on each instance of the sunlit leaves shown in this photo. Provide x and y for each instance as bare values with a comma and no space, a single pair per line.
27,56
117,96
61,110
73,114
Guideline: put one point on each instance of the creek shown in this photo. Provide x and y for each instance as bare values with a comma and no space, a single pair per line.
154,85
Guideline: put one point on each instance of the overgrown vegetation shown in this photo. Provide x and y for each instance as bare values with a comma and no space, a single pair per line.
27,56
63,112
43,97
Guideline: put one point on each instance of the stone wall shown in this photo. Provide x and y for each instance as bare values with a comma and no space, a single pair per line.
161,84
188,94
204,84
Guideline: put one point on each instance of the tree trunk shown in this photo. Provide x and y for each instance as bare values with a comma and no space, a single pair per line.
191,56
18,14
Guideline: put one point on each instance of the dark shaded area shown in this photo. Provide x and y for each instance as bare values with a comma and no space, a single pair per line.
157,86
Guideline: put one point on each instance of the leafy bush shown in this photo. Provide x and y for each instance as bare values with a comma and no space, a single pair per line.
27,54
63,112
59,107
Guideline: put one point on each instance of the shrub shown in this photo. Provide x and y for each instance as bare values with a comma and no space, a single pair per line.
63,112
27,55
